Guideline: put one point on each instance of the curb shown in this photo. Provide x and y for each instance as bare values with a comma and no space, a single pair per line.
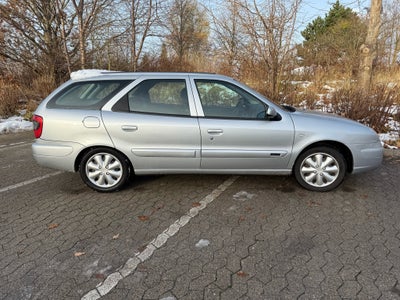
391,152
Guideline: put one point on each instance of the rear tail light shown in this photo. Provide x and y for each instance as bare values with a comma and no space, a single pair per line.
37,125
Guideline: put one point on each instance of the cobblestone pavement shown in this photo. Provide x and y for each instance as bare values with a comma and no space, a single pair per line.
262,238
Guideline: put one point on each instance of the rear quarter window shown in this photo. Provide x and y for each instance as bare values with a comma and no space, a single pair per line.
87,94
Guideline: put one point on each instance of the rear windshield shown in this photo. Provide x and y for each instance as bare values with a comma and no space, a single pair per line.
87,94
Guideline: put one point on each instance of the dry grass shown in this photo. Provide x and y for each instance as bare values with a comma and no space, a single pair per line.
15,96
391,76
373,108
377,107
41,87
10,96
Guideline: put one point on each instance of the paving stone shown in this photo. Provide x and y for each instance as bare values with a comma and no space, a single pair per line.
349,289
282,242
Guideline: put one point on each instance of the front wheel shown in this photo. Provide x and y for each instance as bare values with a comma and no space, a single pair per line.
104,170
320,169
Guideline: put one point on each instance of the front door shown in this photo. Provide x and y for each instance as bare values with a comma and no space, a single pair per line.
236,133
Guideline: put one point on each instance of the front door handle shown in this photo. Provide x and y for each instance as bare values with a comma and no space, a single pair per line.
129,128
215,131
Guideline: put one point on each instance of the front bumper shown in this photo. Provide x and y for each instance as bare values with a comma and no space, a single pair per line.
367,156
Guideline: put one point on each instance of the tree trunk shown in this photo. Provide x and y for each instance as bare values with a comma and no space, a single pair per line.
368,49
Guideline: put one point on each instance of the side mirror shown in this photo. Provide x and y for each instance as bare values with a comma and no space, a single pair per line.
271,112
272,115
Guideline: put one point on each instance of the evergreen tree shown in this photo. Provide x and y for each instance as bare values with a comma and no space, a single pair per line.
334,39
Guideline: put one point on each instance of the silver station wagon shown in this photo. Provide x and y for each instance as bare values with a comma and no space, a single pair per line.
109,125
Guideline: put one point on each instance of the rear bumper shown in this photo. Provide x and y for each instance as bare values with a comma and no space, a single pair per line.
56,155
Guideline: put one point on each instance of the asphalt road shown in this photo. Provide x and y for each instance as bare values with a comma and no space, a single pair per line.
195,237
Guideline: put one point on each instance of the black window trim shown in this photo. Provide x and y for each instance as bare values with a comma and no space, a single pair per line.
98,106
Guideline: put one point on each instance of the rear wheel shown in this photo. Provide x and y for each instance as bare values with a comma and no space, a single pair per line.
104,170
320,169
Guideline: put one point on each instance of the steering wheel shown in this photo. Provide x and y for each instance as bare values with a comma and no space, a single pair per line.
242,107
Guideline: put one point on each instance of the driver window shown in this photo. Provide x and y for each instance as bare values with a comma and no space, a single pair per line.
223,100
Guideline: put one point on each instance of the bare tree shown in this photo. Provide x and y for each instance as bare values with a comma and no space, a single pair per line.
270,26
188,29
390,33
228,35
143,17
32,36
66,26
368,49
87,13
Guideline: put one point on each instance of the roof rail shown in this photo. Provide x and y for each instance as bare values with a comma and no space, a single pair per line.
81,74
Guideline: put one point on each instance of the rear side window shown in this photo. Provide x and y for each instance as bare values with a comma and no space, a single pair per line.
87,94
156,96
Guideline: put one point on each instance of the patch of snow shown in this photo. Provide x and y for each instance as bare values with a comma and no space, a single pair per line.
299,71
394,109
82,74
391,136
391,147
202,243
393,125
243,196
303,84
329,88
14,124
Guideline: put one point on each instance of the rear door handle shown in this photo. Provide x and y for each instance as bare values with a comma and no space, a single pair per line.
129,128
215,131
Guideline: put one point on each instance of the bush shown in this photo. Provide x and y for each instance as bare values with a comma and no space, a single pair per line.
10,96
305,99
41,87
373,108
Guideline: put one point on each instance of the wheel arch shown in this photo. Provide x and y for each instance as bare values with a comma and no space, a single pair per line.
342,148
86,150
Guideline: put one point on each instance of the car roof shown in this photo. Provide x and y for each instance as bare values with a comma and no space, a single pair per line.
86,75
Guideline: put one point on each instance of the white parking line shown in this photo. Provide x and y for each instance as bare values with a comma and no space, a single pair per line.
130,266
12,187
14,145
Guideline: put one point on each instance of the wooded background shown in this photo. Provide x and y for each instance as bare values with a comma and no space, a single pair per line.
261,43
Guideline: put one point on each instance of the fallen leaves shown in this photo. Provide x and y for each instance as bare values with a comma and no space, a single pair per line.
53,226
154,209
242,274
312,203
143,218
100,276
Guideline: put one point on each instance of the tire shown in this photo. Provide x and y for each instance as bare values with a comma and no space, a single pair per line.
104,169
320,169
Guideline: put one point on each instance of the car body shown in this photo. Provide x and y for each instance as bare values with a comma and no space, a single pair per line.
108,125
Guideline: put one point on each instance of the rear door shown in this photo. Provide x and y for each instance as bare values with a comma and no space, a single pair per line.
153,125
